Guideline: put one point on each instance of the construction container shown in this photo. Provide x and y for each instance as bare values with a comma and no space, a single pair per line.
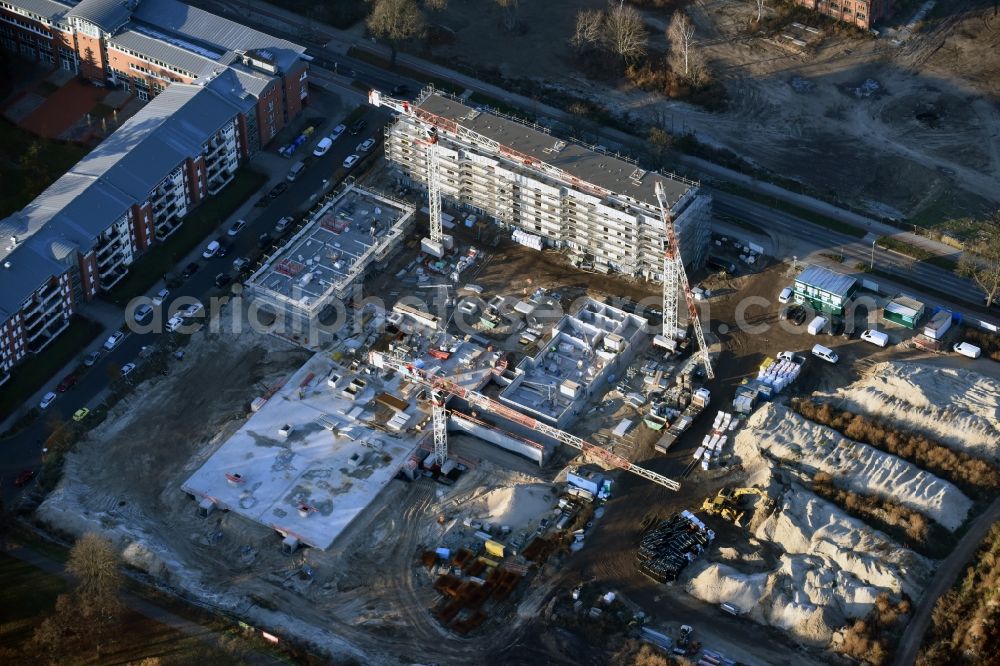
494,549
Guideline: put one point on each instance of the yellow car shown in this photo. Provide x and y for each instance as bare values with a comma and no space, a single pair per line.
80,414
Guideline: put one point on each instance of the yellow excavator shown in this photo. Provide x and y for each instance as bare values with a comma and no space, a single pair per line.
726,503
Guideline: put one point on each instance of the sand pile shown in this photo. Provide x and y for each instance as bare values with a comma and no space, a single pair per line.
785,435
831,572
957,407
515,506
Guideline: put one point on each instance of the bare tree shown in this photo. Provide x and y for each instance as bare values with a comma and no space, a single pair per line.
761,6
589,29
684,57
396,21
626,34
981,262
94,563
510,12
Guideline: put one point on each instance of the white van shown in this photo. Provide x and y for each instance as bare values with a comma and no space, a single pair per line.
731,609
877,338
825,353
296,169
818,325
967,349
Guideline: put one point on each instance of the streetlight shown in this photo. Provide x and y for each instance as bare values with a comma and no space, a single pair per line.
872,267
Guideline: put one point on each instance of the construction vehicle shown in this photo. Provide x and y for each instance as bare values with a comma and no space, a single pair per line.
726,503
441,387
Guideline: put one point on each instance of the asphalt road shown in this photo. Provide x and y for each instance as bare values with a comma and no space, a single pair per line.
858,250
24,450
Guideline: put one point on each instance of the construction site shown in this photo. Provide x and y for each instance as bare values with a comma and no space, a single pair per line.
522,435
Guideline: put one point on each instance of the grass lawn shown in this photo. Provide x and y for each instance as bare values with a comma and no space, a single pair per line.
917,252
162,258
25,175
30,375
30,595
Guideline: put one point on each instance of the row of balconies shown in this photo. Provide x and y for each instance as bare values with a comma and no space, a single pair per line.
47,334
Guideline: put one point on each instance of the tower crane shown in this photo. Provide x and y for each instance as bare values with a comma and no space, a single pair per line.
674,276
444,386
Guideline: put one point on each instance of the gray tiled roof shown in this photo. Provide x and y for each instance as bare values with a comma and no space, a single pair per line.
156,49
101,187
593,167
212,30
826,280
50,9
109,15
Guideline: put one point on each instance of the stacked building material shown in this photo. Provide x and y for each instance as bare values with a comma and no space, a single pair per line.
667,548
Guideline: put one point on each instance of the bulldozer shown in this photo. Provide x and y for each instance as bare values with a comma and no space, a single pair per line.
726,503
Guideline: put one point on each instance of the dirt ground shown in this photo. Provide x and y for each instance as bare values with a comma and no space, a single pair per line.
923,144
367,597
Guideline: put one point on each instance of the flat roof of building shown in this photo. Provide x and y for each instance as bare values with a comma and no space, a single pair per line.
332,464
323,257
826,280
603,170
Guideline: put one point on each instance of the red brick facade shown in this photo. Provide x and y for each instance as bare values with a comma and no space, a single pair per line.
862,13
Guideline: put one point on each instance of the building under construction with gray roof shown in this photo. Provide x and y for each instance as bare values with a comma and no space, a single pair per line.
595,206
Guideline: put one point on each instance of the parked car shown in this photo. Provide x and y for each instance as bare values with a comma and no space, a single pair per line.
211,250
967,349
825,353
161,296
278,190
351,161
190,269
127,369
323,147
337,131
282,224
191,310
877,338
24,478
818,325
785,295
91,359
80,414
240,263
223,279
67,383
358,126
365,145
47,400
264,239
174,323
114,340
142,313
238,226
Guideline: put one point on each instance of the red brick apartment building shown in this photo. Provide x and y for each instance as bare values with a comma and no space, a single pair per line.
219,91
862,13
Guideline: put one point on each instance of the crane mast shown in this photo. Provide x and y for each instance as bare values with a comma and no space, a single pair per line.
674,275
442,385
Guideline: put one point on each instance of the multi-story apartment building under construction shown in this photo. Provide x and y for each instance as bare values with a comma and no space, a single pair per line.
595,206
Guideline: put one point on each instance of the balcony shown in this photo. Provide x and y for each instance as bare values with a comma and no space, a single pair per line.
110,261
167,227
35,324
49,334
114,277
216,184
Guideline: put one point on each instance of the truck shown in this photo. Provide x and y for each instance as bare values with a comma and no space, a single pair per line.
818,325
